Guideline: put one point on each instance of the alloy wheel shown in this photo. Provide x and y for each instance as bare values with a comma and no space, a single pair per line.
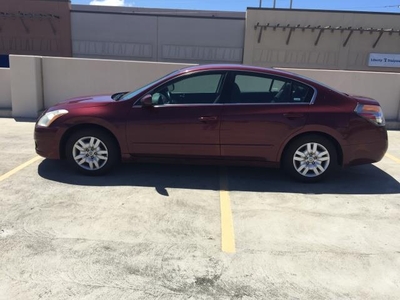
90,153
311,159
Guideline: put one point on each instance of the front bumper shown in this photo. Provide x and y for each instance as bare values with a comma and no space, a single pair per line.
47,141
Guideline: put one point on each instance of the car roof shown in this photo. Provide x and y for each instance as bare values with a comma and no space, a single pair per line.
236,67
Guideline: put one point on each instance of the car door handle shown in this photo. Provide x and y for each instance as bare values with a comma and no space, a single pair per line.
293,115
208,119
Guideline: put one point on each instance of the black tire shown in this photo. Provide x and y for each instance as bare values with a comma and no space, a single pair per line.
97,159
314,166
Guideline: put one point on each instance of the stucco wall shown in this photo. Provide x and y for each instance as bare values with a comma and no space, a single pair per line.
5,88
274,48
65,78
384,87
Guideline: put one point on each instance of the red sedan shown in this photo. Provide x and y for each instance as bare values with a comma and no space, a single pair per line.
218,114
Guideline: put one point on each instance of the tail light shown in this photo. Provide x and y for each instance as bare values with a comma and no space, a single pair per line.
372,113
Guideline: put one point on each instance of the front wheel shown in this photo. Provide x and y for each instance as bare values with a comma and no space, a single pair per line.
310,158
92,152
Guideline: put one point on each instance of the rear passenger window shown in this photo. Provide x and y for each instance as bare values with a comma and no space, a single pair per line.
253,84
255,89
301,93
277,85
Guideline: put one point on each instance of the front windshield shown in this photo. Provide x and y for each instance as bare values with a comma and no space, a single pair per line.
134,93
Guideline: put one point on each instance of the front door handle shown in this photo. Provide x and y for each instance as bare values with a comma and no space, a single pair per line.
292,116
208,119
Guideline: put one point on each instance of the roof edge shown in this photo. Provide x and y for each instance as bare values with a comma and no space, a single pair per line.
324,10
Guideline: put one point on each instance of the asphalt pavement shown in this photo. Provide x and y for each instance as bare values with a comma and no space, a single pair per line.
162,231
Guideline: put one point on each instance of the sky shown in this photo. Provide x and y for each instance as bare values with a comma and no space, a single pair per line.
241,5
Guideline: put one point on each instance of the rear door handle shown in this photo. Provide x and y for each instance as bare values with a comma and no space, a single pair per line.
293,115
208,119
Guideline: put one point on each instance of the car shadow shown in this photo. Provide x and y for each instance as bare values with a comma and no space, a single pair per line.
367,179
25,120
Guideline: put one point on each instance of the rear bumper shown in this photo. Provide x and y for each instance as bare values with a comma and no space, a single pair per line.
365,153
47,142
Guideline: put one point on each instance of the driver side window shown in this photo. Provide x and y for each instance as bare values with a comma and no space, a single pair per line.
192,89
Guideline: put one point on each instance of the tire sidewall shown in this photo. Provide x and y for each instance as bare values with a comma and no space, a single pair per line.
292,148
113,153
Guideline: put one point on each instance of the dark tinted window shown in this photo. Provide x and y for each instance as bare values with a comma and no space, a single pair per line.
203,84
301,93
195,89
249,89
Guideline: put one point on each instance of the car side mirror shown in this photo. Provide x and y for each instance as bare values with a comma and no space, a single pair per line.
147,101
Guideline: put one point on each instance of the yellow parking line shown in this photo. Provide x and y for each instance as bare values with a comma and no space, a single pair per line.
227,232
19,168
392,157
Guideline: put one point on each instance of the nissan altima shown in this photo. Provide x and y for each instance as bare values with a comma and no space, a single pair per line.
222,114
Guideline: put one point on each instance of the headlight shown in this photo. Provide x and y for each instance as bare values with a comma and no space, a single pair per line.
50,117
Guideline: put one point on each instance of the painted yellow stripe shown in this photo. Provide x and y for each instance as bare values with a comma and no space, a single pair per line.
392,157
227,232
19,168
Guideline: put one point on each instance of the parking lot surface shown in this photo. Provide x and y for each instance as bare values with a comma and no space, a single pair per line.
158,231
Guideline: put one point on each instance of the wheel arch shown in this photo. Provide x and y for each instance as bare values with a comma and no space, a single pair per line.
332,139
76,128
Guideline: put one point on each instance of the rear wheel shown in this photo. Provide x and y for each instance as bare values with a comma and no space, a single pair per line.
310,158
92,151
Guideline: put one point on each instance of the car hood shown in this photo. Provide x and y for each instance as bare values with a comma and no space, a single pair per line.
91,100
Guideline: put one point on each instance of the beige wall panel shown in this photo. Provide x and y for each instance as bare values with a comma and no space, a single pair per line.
329,53
5,88
65,78
384,87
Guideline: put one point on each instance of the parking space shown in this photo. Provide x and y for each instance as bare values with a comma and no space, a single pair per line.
158,231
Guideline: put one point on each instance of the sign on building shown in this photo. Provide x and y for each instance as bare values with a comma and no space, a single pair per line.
384,60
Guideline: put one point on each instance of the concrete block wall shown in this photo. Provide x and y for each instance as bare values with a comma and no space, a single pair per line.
39,82
5,88
65,78
26,86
